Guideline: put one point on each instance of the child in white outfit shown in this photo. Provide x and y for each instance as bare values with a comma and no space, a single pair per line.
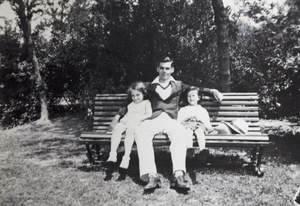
137,111
196,121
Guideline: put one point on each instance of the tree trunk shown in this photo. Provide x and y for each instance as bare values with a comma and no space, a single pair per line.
221,20
25,21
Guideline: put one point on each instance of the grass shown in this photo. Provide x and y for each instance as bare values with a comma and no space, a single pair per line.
43,165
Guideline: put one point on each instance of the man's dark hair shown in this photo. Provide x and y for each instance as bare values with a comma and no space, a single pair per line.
166,58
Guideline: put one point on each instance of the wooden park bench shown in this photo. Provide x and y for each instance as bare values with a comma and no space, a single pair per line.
233,106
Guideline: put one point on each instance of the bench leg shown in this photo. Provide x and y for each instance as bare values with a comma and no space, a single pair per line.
253,157
97,153
257,154
89,154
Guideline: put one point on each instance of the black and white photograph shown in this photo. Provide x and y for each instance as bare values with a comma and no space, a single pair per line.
149,102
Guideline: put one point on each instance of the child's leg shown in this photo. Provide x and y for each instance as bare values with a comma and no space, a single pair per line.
128,142
189,137
200,138
115,141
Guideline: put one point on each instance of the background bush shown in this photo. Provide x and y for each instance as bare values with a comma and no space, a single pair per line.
104,46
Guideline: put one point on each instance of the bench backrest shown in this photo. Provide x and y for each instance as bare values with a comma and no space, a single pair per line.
233,106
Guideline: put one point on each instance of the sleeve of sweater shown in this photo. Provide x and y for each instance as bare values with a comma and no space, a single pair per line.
182,115
206,119
185,86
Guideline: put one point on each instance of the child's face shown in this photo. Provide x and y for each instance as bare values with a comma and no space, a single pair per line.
193,97
137,96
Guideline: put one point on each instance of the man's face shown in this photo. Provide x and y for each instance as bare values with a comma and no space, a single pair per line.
165,70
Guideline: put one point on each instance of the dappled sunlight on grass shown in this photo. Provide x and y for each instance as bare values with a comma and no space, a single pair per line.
44,165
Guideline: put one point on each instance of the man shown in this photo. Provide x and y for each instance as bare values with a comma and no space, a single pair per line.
164,93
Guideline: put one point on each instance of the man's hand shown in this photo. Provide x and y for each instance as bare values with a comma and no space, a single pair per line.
218,95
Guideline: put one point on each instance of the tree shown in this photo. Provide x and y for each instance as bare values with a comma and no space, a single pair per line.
76,63
25,11
222,33
221,20
265,58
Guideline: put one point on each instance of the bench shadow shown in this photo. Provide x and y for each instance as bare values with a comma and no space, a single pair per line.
284,149
44,148
219,164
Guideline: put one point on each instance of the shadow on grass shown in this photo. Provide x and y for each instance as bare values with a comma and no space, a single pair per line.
284,149
222,164
59,144
68,124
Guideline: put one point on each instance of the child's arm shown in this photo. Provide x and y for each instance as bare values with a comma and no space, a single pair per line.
121,112
206,120
217,95
113,123
183,117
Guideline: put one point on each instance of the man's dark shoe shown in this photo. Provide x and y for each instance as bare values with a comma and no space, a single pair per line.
190,153
180,183
203,155
110,166
297,197
108,176
297,201
153,183
122,174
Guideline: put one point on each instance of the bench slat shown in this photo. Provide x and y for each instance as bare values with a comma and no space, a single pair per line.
107,108
214,123
211,141
104,125
227,113
208,137
230,98
231,103
104,113
109,103
104,130
234,114
219,119
203,103
239,93
208,143
229,119
114,97
230,108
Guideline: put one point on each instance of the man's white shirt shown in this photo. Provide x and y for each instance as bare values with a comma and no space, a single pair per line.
163,89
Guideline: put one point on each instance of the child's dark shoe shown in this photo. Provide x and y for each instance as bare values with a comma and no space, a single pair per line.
110,166
122,174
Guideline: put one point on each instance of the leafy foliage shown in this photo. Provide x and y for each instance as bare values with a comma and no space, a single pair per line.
18,93
268,61
99,46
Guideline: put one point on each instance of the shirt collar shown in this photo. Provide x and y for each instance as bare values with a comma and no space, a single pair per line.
156,80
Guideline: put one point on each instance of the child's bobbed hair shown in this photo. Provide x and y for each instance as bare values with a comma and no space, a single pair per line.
139,86
193,88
